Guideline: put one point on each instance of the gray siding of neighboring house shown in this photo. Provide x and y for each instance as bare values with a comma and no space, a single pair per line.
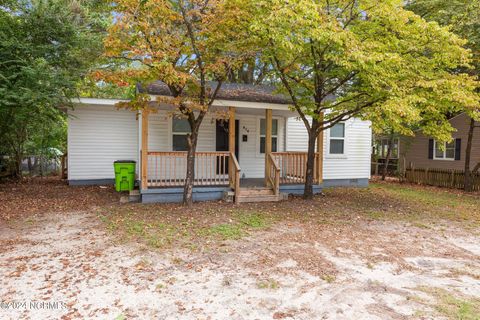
414,151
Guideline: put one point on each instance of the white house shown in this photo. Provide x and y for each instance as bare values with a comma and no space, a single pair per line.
233,154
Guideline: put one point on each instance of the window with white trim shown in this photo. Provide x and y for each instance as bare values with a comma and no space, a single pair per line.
274,135
180,130
337,139
444,150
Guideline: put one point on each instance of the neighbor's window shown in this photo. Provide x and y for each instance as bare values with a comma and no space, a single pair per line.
337,139
274,135
383,149
445,150
180,130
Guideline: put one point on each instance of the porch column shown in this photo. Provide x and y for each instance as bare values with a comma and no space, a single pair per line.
144,151
268,141
231,141
320,154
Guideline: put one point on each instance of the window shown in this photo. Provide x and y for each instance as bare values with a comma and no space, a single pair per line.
444,150
383,149
337,139
274,135
180,130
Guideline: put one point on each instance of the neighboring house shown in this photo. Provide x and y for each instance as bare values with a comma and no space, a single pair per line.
231,148
424,152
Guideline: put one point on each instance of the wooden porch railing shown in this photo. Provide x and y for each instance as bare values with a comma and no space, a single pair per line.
273,175
168,169
293,166
235,176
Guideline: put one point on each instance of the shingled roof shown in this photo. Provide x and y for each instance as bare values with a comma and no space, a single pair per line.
228,91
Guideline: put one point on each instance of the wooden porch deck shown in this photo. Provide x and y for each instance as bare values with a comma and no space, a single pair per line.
221,168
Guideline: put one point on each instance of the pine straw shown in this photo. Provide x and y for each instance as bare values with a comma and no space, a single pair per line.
49,194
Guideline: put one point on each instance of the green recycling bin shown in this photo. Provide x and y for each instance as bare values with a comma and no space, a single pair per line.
124,175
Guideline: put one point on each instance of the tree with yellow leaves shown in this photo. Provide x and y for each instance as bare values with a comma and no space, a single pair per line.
373,59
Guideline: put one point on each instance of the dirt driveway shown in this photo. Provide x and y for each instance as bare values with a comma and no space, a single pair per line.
385,259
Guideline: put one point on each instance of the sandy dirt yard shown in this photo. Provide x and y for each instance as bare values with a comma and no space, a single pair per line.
386,252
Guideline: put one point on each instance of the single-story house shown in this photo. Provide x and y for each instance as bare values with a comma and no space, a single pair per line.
256,151
423,152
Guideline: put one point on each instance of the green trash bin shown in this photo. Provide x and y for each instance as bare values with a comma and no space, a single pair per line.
124,175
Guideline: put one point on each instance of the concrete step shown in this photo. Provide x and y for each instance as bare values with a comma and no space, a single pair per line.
133,196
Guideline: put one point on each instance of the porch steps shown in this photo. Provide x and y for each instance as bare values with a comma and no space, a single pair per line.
256,194
258,198
256,191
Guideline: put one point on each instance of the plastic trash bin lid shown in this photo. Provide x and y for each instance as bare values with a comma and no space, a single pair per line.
125,161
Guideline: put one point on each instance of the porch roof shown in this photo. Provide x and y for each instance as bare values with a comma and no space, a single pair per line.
243,107
228,91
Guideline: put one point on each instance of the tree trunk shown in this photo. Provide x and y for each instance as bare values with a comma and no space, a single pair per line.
468,154
42,165
312,139
35,165
17,163
190,175
387,158
30,166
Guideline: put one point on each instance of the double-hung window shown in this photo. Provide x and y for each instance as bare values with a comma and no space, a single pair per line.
337,139
180,130
274,135
444,150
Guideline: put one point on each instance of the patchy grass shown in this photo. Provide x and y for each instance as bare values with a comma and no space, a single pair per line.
159,229
271,284
162,225
431,202
253,220
419,205
453,307
330,278
243,222
227,231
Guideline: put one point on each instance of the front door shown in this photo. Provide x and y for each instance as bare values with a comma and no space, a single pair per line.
222,141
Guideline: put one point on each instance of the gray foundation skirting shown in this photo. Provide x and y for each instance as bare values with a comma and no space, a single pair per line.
92,182
330,183
297,189
165,195
96,182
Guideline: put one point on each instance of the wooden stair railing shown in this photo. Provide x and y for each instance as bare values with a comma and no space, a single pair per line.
235,178
274,175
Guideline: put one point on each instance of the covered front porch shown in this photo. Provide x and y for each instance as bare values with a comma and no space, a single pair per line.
243,155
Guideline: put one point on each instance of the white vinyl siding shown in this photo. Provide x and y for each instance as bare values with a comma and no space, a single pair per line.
353,164
97,136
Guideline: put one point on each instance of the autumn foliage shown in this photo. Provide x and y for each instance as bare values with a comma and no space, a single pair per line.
184,44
